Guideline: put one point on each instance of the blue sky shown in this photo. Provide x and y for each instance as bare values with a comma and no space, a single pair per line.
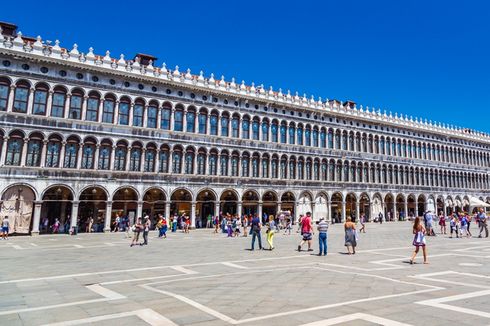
428,59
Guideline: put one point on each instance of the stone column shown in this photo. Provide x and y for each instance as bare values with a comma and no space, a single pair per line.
83,116
329,211
358,210
172,120
101,110
43,153
111,159
74,214
157,160
239,208
30,100
62,154
216,208
405,207
79,156
259,209
96,157
145,116
313,211
142,160
10,104
279,207
49,103
444,208
128,158
343,211
66,114
193,215
36,217
139,209
108,217
167,210
131,114
416,212
24,152
4,150
116,113
296,212
184,120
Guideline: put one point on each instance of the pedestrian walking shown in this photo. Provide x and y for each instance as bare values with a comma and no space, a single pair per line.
255,227
468,219
306,231
5,228
363,223
245,225
175,223
271,227
350,236
442,223
419,240
146,229
216,223
482,219
136,228
453,226
287,229
322,236
56,226
229,227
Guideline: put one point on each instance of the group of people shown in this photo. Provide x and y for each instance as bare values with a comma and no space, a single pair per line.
459,223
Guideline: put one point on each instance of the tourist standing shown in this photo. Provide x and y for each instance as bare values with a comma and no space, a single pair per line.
350,236
306,231
468,219
482,218
288,227
453,226
363,223
175,220
137,227
216,224
322,236
90,225
255,227
245,225
442,223
270,232
146,230
56,226
419,240
5,228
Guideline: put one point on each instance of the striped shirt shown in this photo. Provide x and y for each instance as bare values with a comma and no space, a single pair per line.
322,226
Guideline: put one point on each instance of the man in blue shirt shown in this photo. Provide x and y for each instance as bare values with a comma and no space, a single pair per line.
255,227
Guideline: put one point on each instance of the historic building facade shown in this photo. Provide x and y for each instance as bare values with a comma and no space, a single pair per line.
84,135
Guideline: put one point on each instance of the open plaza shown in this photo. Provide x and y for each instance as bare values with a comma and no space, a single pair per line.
202,278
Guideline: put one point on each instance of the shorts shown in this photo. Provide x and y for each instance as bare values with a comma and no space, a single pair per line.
5,229
306,236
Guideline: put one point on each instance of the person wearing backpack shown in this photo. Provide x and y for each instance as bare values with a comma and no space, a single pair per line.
255,227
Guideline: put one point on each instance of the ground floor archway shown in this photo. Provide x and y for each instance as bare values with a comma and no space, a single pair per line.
228,203
92,210
18,205
205,207
57,207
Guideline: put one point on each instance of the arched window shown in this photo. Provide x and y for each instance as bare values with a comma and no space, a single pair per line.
283,168
104,156
124,107
225,122
201,163
324,168
71,151
301,165
245,128
120,158
150,159
274,132
191,120
351,142
235,126
189,162
76,101
299,133
58,105
53,153
292,131
283,133
308,172
323,139
307,137
88,153
14,151
4,93
179,118
255,129
234,165
245,165
265,167
224,164
315,138
135,159
165,117
92,113
34,152
213,124
151,115
108,110
330,138
265,130
292,168
164,156
255,166
344,141
203,121
213,160
21,97
138,111
274,167
40,100
177,161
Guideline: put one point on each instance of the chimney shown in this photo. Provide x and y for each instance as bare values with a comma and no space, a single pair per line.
144,59
8,29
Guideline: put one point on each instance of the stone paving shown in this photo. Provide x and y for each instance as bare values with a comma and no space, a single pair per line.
203,278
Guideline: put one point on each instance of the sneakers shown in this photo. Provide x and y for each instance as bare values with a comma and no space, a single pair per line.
299,248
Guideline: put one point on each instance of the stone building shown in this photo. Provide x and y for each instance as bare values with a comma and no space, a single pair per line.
86,135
